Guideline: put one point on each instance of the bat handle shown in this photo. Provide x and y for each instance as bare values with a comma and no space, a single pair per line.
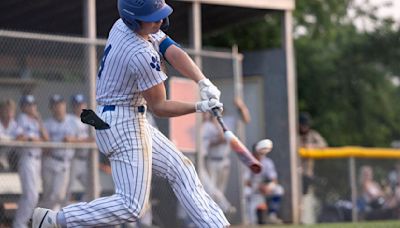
217,113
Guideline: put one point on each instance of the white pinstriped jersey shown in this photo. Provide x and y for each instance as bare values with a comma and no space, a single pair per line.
81,132
57,132
30,127
11,131
135,149
130,65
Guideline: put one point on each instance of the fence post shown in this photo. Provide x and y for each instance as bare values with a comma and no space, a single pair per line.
353,186
91,58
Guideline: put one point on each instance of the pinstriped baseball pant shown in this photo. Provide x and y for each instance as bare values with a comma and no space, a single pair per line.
136,150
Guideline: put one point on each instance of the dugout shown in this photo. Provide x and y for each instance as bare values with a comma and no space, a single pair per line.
30,34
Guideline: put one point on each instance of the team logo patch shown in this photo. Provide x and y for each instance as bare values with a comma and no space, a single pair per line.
158,4
155,64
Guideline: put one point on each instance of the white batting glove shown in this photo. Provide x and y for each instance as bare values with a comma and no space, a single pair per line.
207,106
208,90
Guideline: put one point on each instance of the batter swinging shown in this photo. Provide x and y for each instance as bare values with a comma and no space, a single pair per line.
130,79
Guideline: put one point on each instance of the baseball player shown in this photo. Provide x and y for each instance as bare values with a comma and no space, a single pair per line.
129,81
308,138
57,162
79,167
217,160
218,150
9,130
29,164
263,190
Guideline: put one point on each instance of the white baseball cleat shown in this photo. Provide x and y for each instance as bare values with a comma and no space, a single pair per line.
44,218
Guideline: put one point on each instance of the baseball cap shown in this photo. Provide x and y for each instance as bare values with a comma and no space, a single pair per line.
27,99
56,98
305,118
78,99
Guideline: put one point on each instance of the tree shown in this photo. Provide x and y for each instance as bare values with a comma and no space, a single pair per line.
344,75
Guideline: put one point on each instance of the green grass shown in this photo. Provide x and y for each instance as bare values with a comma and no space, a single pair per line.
371,224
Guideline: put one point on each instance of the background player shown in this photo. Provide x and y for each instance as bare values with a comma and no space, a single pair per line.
57,162
79,167
29,164
308,138
217,151
9,130
129,78
264,191
217,159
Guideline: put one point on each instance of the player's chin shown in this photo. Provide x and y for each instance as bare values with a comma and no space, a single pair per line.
155,30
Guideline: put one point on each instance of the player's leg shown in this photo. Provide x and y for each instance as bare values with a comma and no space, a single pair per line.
29,174
128,145
47,183
218,170
223,174
83,177
74,173
171,164
215,193
55,182
61,182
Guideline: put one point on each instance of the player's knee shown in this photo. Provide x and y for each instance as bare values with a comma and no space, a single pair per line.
133,208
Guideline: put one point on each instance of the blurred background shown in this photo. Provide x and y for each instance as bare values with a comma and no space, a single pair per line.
330,66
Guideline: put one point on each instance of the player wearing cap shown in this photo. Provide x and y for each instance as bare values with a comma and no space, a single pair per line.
79,167
264,191
56,164
131,80
9,130
29,164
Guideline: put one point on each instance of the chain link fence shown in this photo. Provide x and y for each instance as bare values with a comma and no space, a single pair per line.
44,65
354,189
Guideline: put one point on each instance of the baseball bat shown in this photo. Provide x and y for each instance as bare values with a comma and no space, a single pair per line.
243,153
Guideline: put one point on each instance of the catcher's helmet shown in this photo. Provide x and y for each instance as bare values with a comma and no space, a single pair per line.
133,11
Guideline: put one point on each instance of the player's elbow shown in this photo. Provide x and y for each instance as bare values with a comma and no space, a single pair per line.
157,110
157,113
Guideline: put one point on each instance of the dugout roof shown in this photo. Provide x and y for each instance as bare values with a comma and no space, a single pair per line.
66,17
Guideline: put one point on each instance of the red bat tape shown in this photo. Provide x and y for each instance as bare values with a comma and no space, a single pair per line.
243,153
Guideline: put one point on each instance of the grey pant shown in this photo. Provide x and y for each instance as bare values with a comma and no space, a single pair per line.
29,174
218,171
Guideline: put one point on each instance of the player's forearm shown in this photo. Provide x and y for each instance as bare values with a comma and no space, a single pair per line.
182,62
170,108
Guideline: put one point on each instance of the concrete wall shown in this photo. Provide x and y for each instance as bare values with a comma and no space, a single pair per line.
270,65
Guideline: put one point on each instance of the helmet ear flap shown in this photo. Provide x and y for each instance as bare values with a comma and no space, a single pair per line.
134,24
165,24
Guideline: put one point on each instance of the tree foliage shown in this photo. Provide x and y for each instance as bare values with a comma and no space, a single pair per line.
344,75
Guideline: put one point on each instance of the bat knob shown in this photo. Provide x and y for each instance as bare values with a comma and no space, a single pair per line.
256,168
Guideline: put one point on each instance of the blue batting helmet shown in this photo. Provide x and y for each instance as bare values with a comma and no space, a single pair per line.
133,11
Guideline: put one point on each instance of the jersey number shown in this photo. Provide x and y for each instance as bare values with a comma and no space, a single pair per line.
103,60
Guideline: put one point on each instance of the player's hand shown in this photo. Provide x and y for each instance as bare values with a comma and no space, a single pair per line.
208,105
208,90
